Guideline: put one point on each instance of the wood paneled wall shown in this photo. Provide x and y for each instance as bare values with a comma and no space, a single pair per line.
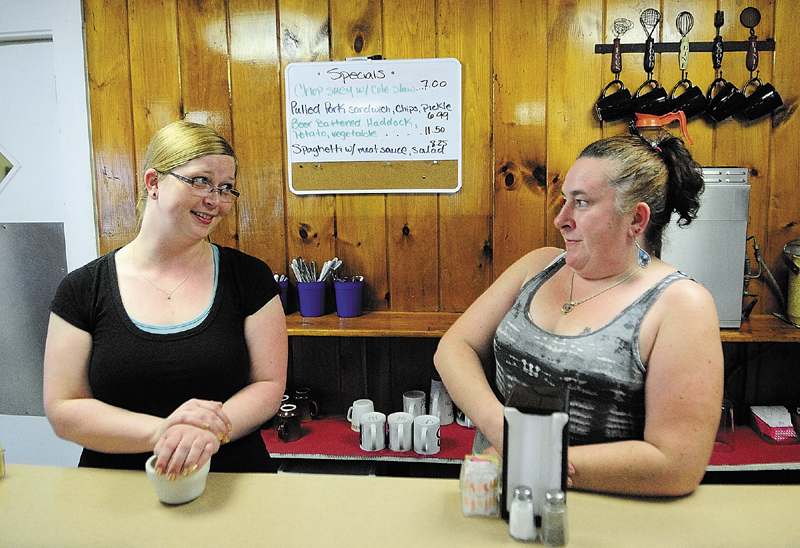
530,79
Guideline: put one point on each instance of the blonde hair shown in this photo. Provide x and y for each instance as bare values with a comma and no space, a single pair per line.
176,144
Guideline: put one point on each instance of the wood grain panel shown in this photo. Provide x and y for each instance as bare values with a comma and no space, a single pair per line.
310,220
304,34
205,85
155,78
519,129
465,252
409,29
782,204
258,130
742,143
573,30
112,131
361,218
546,78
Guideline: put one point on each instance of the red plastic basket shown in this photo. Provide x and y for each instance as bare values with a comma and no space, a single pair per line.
780,434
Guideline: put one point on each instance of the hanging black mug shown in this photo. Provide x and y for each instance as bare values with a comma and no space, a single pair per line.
726,101
655,101
615,106
763,100
692,101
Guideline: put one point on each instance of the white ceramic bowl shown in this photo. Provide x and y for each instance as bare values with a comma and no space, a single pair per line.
180,491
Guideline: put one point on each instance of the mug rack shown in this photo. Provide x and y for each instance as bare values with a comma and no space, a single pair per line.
674,47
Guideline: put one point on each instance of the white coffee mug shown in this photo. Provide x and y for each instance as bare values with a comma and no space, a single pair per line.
441,404
358,408
401,428
463,419
373,431
427,436
414,402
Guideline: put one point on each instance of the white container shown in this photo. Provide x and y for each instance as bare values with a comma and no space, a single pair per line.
183,489
712,248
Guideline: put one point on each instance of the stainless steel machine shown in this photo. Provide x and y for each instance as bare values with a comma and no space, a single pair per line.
712,248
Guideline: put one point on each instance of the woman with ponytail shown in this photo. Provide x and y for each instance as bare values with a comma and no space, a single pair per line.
635,341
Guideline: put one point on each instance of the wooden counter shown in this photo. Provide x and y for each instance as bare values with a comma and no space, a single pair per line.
46,506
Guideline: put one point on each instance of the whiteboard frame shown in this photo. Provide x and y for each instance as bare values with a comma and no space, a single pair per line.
367,64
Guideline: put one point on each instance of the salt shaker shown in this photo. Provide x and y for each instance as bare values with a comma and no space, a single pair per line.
520,519
554,519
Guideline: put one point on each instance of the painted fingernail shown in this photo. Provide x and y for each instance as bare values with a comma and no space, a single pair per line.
172,477
205,426
220,436
185,472
230,427
159,471
227,439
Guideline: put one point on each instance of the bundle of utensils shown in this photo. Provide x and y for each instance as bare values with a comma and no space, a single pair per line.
348,278
280,277
307,272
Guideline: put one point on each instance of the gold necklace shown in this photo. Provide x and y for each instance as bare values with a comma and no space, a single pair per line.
568,306
169,295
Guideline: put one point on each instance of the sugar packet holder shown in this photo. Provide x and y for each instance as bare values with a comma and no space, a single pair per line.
480,485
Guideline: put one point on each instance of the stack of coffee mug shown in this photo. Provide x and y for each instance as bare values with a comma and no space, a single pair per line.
413,428
296,408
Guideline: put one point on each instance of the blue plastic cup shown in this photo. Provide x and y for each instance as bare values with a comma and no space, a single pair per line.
348,298
284,294
312,298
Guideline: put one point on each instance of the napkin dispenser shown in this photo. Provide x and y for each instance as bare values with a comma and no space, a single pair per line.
535,443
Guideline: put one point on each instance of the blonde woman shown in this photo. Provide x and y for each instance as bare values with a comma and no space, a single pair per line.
170,345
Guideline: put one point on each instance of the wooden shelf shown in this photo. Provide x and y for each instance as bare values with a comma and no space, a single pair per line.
760,328
766,328
373,324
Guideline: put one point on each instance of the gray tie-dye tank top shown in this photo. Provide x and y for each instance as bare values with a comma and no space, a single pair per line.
602,369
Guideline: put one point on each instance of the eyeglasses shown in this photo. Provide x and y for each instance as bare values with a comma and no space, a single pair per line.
202,187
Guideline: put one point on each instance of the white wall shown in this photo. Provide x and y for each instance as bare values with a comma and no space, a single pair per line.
45,121
45,127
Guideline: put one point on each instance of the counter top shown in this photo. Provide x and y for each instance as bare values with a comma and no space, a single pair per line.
48,506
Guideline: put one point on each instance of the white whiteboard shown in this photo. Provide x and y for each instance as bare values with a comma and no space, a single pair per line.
376,111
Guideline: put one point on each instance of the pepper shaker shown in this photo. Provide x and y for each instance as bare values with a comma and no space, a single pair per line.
554,519
520,520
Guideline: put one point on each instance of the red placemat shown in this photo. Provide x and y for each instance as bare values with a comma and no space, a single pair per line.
752,449
332,437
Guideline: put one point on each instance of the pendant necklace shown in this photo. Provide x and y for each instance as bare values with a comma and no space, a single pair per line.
169,295
568,306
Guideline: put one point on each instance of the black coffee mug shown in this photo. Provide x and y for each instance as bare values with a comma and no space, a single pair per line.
306,407
615,106
289,423
655,101
692,101
763,100
726,101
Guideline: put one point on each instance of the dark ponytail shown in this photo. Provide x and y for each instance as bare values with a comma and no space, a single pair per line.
684,180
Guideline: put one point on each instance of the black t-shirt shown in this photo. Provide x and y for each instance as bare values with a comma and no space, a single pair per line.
156,373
